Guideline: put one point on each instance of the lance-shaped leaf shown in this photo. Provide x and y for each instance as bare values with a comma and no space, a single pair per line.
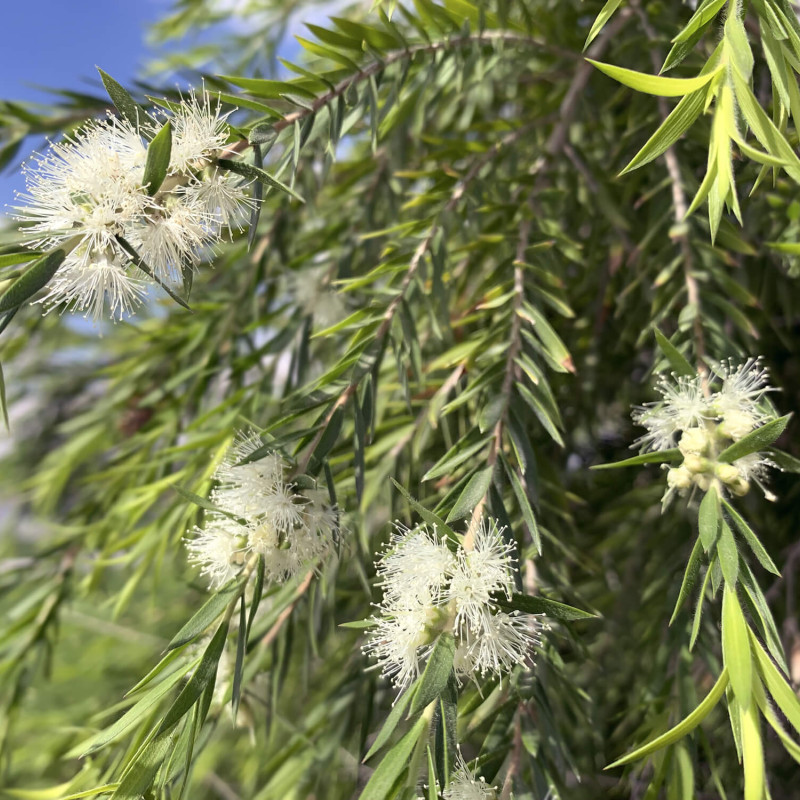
736,647
158,155
392,721
684,727
654,84
208,613
530,604
130,250
676,359
204,675
380,785
606,12
257,174
128,108
436,674
776,684
34,278
656,457
752,540
755,440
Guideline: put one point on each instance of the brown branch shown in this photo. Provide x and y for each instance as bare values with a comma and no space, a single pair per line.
511,371
413,267
569,105
272,633
394,56
681,207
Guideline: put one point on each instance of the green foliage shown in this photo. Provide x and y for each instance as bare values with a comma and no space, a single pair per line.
477,249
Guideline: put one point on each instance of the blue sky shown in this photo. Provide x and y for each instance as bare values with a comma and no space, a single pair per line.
57,43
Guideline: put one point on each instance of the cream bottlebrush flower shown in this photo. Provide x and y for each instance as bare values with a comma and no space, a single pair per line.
487,568
400,641
222,198
87,187
429,590
292,529
415,552
683,406
170,236
740,400
464,785
198,132
218,550
705,424
87,284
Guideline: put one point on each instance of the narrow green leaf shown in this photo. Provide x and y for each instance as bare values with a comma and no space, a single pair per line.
436,674
20,257
241,642
763,127
380,785
158,155
473,493
36,276
204,502
606,12
257,174
676,359
428,516
208,613
654,84
139,776
133,715
736,647
130,250
689,577
524,505
781,692
204,675
752,754
258,590
3,402
446,734
392,721
728,554
684,727
708,519
752,540
755,440
128,108
263,87
656,457
327,440
358,624
536,604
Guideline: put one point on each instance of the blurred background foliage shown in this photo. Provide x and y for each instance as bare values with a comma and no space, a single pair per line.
467,296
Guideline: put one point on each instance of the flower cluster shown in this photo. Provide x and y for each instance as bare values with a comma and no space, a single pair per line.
464,785
704,423
87,195
429,589
261,513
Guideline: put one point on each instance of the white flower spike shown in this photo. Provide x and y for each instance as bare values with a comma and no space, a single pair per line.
292,529
85,194
429,590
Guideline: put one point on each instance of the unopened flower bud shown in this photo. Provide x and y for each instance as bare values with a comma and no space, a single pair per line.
679,478
694,441
727,473
695,463
703,482
739,487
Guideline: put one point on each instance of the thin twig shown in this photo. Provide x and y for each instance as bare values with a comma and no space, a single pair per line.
680,206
